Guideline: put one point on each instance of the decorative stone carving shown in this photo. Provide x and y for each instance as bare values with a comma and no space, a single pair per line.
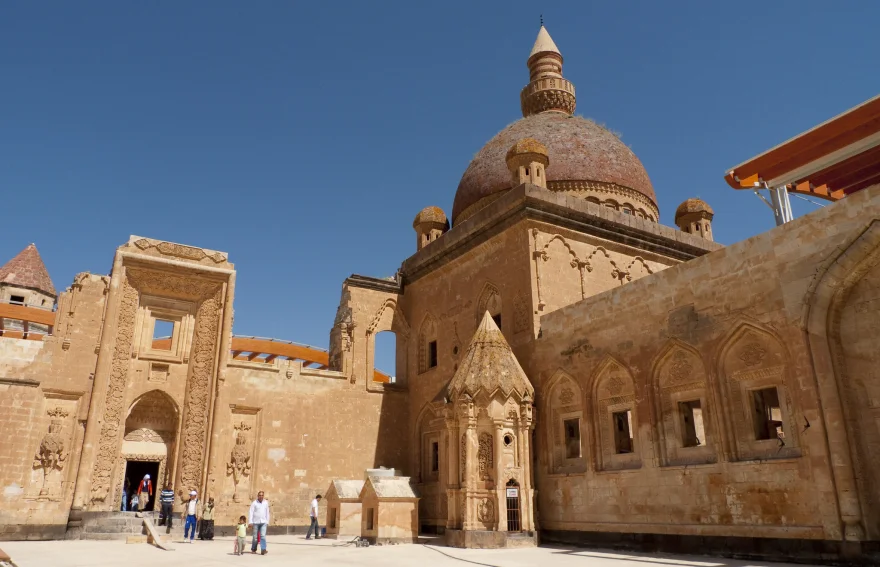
566,396
680,369
239,464
615,383
753,354
520,313
52,453
108,443
148,435
463,459
180,250
486,456
486,511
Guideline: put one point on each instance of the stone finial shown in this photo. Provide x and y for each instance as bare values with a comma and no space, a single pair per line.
527,161
694,216
547,90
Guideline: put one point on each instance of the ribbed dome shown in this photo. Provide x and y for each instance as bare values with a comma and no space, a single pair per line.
430,214
693,206
579,150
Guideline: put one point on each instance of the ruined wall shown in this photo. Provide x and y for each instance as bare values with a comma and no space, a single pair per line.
45,387
703,342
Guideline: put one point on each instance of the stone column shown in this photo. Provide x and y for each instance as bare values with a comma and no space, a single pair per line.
468,482
99,387
500,481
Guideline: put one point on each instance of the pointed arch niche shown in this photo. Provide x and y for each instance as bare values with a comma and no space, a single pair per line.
564,407
682,404
428,350
489,300
614,417
753,368
388,318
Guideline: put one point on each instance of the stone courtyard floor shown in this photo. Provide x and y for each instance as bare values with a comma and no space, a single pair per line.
294,550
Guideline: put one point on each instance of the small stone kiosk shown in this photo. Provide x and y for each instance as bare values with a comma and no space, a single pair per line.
344,509
390,510
488,429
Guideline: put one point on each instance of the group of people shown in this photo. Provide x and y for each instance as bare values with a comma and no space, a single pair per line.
257,518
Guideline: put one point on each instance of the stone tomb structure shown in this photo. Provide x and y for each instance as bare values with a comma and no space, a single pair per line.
389,510
343,500
656,388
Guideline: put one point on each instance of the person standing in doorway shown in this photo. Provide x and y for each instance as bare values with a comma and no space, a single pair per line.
166,499
206,527
190,511
126,488
313,515
144,491
258,517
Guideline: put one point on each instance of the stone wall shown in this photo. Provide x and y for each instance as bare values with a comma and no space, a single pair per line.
704,341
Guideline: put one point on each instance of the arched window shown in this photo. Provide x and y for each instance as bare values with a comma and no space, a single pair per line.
614,414
428,350
566,416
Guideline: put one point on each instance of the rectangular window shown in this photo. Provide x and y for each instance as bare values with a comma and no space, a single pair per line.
432,354
572,438
332,519
162,332
623,440
693,432
497,319
17,300
435,456
767,414
370,513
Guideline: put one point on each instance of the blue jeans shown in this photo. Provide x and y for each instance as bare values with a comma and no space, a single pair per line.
314,526
261,529
190,523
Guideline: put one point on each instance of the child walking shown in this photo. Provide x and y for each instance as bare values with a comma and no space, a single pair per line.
240,534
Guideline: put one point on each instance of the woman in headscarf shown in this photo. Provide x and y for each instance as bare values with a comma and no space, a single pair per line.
206,529
144,491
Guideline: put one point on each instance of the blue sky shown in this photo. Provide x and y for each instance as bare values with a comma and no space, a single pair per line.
302,138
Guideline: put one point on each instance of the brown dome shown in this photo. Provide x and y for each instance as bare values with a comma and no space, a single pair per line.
579,150
693,206
430,214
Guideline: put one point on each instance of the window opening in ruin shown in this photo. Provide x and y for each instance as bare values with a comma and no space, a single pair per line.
527,171
432,354
385,354
572,438
497,319
693,432
512,491
17,300
508,439
332,517
162,329
43,302
370,515
623,441
435,456
455,349
768,414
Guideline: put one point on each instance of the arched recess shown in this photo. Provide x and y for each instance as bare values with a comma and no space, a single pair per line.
489,300
388,318
565,427
614,416
428,346
841,318
602,272
428,463
756,395
682,406
637,269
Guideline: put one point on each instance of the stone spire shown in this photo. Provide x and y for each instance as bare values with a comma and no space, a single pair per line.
489,366
547,90
27,270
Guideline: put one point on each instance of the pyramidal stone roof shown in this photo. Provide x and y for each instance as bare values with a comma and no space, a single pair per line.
348,489
544,43
27,270
489,366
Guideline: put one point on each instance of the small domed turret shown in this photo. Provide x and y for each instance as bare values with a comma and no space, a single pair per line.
429,224
694,216
527,159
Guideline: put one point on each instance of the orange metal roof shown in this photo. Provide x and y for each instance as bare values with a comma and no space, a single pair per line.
835,158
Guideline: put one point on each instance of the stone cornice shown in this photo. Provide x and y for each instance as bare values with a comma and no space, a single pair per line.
534,203
368,282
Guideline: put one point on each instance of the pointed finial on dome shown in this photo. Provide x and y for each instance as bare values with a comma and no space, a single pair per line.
547,90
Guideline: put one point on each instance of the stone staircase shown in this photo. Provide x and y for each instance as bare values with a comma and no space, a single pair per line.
106,525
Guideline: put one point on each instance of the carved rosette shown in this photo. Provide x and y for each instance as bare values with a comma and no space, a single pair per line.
111,429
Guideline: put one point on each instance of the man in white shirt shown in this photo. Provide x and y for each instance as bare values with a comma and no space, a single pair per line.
258,517
189,516
313,514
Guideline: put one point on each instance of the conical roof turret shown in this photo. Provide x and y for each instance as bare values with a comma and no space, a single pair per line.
544,43
27,270
548,90
489,366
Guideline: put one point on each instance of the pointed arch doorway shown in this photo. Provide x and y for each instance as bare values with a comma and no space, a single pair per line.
514,523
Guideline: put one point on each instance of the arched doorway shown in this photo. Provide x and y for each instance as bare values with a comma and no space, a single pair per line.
513,506
150,440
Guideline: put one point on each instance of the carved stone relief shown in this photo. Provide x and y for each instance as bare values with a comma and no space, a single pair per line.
486,456
486,511
521,313
52,452
239,465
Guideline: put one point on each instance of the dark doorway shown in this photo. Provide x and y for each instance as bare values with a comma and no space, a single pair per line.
135,471
513,523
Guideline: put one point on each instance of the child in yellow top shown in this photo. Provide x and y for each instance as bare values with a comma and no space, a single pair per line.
240,534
